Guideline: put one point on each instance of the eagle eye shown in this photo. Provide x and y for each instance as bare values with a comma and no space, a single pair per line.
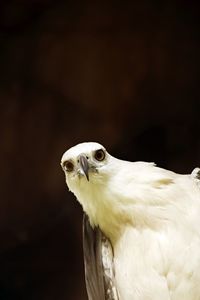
68,166
100,155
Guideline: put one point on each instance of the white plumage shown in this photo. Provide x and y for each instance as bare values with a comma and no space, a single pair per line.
151,216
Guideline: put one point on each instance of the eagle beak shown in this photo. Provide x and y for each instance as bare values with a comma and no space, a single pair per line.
84,165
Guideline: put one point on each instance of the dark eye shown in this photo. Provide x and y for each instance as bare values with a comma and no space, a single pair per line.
99,155
68,166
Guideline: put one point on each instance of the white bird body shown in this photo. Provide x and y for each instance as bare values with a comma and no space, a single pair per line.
152,218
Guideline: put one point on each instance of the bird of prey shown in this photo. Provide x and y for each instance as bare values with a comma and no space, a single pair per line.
146,220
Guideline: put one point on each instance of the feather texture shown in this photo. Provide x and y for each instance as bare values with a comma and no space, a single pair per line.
98,261
150,215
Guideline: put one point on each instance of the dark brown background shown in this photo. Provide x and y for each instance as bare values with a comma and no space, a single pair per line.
124,73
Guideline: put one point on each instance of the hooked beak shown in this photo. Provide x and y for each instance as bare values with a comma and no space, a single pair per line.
84,165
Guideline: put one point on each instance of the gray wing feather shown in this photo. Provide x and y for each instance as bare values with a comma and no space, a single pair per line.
92,261
196,175
98,261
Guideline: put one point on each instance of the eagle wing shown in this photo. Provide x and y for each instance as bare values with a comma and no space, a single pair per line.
98,261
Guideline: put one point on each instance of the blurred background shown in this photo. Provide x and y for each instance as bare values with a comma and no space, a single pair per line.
123,73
